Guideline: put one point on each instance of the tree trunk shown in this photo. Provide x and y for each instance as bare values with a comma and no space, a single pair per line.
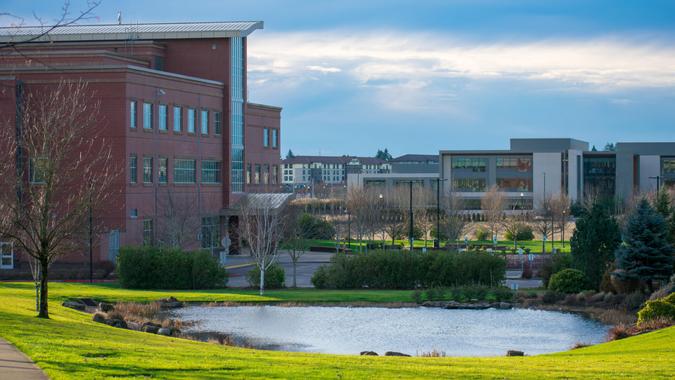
43,311
262,281
295,285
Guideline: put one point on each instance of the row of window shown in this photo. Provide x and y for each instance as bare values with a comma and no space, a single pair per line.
179,118
270,134
264,174
480,184
184,170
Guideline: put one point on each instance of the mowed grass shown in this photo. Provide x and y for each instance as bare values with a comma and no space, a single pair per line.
71,346
535,246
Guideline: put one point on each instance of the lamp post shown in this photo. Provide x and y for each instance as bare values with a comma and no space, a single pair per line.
563,227
410,215
437,240
658,182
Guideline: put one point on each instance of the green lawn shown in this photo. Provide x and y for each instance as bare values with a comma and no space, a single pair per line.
71,346
534,245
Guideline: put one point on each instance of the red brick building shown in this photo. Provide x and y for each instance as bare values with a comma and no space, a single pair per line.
174,105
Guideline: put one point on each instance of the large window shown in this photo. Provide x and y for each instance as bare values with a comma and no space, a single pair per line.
6,255
275,174
204,120
275,138
248,174
266,137
191,120
147,169
210,232
132,114
147,115
162,117
211,171
217,123
184,171
599,176
162,166
469,184
148,232
514,184
177,119
668,171
266,174
258,174
521,164
237,114
133,169
475,164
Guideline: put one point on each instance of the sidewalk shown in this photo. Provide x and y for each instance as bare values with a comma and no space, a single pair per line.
14,365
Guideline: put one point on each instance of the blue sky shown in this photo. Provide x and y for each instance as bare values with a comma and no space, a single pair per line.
419,76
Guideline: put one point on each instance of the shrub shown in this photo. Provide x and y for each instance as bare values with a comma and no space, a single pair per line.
315,228
634,300
168,268
522,232
567,281
480,233
663,308
550,297
558,262
410,270
274,277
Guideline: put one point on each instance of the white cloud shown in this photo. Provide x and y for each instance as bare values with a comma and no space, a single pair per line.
401,57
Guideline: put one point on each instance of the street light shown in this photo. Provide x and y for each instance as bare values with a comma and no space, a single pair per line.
658,182
563,227
437,240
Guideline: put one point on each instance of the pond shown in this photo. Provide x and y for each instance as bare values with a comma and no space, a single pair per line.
350,330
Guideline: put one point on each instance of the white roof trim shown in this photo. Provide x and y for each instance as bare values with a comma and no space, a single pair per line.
154,31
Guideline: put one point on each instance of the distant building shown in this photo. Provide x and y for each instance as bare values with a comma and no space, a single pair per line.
304,171
422,169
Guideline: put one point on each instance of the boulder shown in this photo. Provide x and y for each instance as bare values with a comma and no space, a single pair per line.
164,331
170,303
394,353
105,307
75,305
514,353
504,305
150,327
99,317
133,326
119,323
369,353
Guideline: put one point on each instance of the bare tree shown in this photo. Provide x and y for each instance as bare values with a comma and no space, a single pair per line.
262,227
295,237
492,205
357,203
454,222
423,211
61,170
392,216
543,222
512,225
178,222
560,210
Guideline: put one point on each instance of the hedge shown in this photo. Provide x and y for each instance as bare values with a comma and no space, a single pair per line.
410,270
168,268
275,277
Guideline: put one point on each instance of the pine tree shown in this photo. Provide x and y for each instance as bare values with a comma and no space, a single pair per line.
594,241
646,254
290,154
666,208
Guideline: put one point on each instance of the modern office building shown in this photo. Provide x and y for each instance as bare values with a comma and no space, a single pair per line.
302,171
534,169
421,169
174,106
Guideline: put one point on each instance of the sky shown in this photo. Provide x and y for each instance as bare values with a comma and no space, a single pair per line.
421,76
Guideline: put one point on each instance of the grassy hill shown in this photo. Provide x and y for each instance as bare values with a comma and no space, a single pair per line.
71,346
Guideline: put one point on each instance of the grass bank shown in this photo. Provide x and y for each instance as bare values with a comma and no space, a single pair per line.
71,346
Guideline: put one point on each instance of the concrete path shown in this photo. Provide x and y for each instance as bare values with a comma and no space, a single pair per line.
14,365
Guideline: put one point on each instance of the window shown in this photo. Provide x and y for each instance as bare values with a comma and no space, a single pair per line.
133,214
211,171
133,169
266,137
204,120
132,114
6,255
521,164
218,123
248,174
210,232
37,170
191,120
469,184
147,115
275,138
275,174
514,184
162,166
162,117
474,164
258,174
184,171
147,169
148,233
266,174
177,119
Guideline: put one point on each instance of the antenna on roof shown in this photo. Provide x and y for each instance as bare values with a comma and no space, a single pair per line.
119,17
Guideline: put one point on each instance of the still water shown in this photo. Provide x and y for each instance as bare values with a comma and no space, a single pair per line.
350,330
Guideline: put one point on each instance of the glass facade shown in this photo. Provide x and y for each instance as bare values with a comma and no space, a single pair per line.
599,176
514,173
469,184
237,114
668,171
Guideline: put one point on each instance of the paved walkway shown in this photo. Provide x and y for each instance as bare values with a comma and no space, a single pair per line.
14,365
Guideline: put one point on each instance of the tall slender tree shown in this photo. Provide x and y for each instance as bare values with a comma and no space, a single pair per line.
646,254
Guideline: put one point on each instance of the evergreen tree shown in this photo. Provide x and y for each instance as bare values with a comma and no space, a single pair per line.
646,254
666,208
290,154
609,147
594,241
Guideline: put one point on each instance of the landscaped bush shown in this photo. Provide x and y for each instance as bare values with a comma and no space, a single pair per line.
275,277
410,270
558,262
523,232
480,233
315,228
663,308
567,281
168,268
